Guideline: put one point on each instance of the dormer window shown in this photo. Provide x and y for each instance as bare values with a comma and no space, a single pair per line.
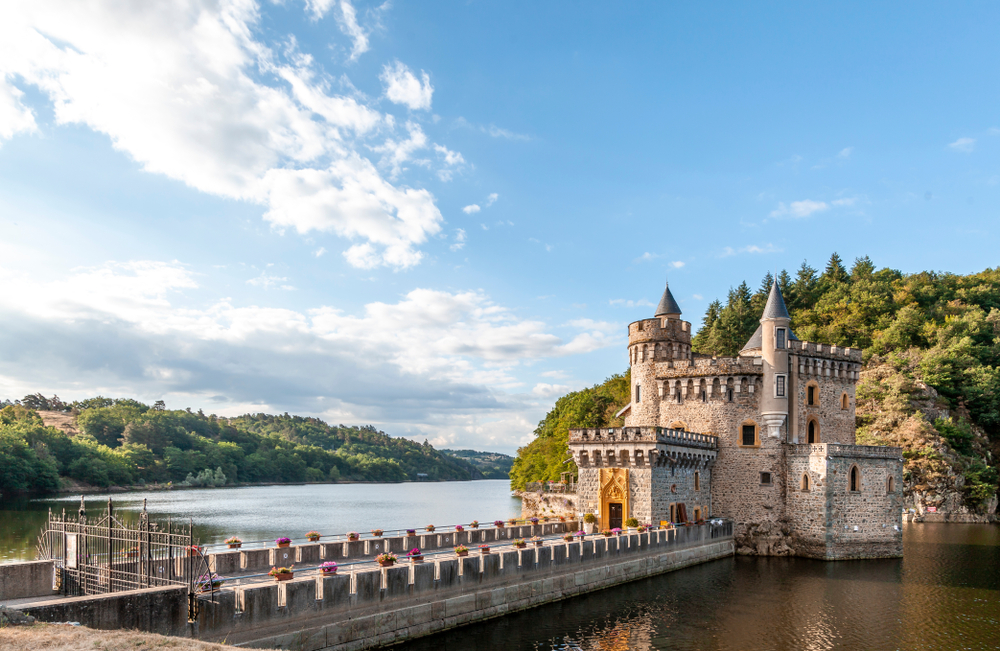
779,338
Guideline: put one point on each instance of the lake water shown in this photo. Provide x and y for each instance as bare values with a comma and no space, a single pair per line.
944,594
268,512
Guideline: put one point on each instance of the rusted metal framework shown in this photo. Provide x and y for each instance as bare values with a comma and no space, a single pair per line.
104,554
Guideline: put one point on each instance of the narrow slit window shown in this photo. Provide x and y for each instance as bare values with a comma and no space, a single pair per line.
779,339
638,393
812,395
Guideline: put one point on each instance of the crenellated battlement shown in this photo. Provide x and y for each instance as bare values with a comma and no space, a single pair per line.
812,349
659,329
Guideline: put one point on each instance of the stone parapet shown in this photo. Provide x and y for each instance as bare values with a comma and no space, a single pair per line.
830,351
842,450
384,606
644,435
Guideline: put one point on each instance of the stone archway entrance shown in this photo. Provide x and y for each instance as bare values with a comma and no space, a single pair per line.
614,497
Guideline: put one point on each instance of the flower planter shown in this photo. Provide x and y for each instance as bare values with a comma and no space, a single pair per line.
284,576
209,588
465,553
386,563
538,543
521,546
484,552
328,572
284,544
313,539
354,539
417,559
194,551
235,545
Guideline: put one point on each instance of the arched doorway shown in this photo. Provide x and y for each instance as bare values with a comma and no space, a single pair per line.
813,432
614,497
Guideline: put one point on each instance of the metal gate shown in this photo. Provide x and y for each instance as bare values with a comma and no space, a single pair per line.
104,554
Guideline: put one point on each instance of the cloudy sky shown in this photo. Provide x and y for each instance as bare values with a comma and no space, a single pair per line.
436,217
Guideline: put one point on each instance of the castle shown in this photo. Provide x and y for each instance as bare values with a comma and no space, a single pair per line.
766,438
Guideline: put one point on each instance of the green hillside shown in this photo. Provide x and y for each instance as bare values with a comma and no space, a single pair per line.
124,442
492,465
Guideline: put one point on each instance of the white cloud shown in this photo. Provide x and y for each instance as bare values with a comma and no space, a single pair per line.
677,264
190,91
320,252
845,152
459,240
14,116
402,87
698,297
799,209
396,153
964,145
621,302
845,202
751,248
544,390
431,361
267,281
468,210
492,199
993,131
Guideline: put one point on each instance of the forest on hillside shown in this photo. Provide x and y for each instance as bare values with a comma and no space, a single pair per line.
124,442
930,384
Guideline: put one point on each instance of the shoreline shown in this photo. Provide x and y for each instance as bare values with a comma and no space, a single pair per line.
138,488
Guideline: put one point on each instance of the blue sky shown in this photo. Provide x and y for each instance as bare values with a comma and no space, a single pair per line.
438,217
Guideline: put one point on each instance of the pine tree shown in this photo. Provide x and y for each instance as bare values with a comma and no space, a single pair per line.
805,285
834,272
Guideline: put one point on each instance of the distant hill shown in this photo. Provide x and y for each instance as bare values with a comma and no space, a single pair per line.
46,443
492,465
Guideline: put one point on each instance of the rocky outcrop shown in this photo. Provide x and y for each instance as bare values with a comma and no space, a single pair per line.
898,410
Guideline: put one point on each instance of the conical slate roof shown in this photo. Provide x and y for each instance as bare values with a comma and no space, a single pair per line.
667,304
775,308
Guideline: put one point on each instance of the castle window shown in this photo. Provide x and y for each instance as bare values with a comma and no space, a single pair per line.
811,393
638,393
813,431
729,395
855,479
845,402
704,396
749,434
765,479
890,486
805,482
697,481
673,488
779,386
779,338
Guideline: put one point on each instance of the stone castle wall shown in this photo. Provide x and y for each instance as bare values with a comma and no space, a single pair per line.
836,425
831,521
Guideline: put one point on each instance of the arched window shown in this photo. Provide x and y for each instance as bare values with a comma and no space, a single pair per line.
812,394
890,486
749,434
697,481
804,485
855,479
845,402
813,431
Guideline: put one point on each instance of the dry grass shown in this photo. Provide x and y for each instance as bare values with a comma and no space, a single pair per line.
56,637
60,420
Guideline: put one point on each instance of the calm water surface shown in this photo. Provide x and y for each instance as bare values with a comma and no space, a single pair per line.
945,593
268,512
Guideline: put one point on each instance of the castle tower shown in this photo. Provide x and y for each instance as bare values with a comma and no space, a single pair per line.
653,342
775,332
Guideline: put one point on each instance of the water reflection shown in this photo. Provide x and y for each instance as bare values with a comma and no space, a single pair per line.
944,594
